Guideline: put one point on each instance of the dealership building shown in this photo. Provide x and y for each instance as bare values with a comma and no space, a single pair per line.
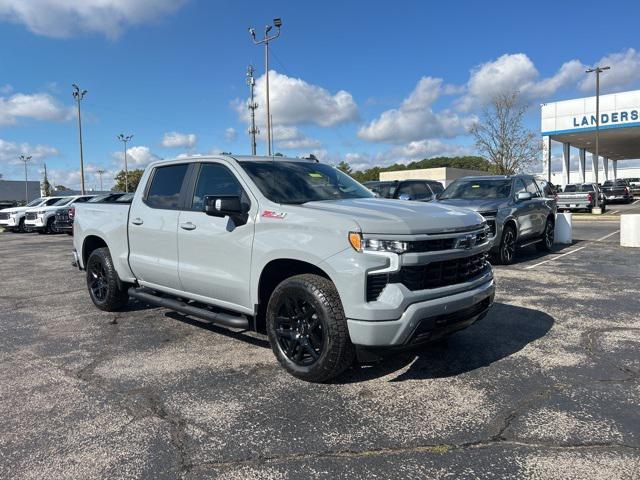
572,123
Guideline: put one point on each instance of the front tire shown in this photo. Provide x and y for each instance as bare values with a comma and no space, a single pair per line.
507,250
546,245
307,328
105,289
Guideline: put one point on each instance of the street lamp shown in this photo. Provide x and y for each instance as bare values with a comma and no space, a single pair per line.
25,159
100,172
124,139
277,22
597,70
79,95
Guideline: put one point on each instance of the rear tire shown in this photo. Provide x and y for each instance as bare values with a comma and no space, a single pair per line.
105,289
507,249
546,245
307,328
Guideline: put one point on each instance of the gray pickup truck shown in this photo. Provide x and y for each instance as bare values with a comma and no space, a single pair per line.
291,247
581,196
519,212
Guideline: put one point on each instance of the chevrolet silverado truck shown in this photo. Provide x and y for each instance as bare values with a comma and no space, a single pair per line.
617,191
64,216
581,196
290,247
518,211
13,219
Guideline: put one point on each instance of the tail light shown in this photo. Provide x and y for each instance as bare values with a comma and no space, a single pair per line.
72,213
626,189
590,197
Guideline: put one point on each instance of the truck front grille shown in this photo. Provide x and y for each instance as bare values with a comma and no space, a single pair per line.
491,223
4,216
31,215
432,275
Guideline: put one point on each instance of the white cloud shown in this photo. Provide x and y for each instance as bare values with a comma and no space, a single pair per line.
515,72
291,138
38,106
179,140
230,135
137,157
9,151
625,72
65,18
415,119
294,101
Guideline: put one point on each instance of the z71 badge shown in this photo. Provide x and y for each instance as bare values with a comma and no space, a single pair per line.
272,214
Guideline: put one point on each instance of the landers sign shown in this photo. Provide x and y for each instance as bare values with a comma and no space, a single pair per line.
622,116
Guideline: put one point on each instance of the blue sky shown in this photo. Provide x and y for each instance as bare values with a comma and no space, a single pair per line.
371,82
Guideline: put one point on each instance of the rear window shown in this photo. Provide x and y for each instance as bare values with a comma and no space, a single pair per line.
164,191
571,188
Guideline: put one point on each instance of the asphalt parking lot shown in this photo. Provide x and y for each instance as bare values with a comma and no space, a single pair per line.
546,386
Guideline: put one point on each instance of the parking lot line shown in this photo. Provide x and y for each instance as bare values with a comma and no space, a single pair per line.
572,251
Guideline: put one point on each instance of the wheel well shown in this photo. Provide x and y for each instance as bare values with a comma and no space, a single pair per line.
511,223
91,243
275,272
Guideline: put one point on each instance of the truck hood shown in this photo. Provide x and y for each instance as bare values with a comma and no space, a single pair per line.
476,205
14,209
399,217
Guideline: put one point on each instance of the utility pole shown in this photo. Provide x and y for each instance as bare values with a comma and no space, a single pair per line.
79,95
597,70
124,139
277,22
25,159
100,172
253,130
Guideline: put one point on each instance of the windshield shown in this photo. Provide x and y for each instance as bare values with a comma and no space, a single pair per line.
63,201
385,190
35,202
109,197
477,189
51,201
571,188
301,182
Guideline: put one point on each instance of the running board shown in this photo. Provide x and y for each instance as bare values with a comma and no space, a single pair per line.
530,243
218,318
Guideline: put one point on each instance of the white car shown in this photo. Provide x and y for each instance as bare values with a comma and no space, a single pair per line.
13,219
42,217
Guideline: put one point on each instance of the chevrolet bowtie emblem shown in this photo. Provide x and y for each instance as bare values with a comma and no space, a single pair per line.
467,241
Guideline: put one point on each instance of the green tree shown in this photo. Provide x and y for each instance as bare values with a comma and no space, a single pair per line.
60,187
134,180
344,167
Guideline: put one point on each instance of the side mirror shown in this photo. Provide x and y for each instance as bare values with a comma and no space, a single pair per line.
523,196
226,206
405,196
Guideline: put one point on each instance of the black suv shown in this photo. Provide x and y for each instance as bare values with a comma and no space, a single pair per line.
420,190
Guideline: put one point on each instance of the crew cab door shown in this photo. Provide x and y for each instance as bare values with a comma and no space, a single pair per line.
215,252
525,211
153,224
539,207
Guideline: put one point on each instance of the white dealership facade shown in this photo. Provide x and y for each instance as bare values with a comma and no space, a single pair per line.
573,124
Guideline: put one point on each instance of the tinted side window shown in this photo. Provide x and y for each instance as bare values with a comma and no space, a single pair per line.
519,186
437,188
421,191
214,179
531,187
164,191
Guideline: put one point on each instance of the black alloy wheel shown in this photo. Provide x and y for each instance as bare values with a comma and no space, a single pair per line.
299,330
107,292
546,245
97,280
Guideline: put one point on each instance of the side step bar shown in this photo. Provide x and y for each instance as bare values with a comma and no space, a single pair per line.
219,318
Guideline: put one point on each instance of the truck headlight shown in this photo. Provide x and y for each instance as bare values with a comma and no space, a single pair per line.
375,245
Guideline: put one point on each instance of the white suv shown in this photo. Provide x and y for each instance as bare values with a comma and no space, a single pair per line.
13,219
42,217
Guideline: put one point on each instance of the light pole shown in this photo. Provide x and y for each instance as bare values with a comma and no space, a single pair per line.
100,172
252,107
79,95
124,139
598,71
277,22
25,159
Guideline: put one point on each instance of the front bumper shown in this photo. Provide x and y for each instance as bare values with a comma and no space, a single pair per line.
8,223
36,224
426,320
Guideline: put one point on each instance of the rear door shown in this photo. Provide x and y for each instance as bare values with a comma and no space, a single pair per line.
153,224
538,206
525,211
215,253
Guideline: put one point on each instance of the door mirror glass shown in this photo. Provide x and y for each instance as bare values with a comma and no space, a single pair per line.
523,196
224,206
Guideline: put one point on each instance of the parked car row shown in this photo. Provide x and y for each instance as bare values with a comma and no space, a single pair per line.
48,214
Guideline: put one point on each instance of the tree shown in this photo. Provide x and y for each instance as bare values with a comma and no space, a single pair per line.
344,167
60,187
46,186
502,138
134,179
